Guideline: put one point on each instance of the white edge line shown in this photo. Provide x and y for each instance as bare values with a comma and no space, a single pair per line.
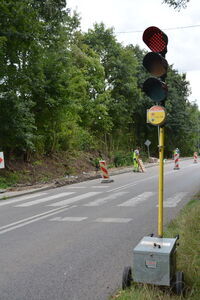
32,219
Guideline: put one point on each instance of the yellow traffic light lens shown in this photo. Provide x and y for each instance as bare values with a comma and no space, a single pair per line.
155,64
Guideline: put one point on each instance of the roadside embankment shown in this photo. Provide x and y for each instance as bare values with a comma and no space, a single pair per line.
21,189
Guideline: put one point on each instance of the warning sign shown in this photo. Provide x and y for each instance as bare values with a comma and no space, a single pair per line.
141,165
2,165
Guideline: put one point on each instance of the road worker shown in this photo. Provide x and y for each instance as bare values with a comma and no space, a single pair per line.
135,160
176,151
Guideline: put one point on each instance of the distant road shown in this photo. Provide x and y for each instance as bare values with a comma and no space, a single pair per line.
72,243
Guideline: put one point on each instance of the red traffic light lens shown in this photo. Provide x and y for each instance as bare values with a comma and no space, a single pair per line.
155,39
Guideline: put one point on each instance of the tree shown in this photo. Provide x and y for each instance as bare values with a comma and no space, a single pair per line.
178,125
120,66
61,89
36,38
87,90
177,4
18,31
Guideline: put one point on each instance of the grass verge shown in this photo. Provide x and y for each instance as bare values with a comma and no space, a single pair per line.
187,225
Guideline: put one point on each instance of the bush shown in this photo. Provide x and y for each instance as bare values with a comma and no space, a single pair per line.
8,180
122,159
84,141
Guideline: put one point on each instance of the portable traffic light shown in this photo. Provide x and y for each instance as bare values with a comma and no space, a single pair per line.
156,64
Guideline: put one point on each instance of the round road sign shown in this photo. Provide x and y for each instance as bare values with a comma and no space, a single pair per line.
156,115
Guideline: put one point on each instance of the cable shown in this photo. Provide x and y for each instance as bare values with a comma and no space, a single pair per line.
172,28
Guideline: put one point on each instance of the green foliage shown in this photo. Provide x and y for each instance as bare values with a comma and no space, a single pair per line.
122,159
182,116
84,141
188,226
9,179
63,90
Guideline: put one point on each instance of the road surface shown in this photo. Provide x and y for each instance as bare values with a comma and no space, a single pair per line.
73,242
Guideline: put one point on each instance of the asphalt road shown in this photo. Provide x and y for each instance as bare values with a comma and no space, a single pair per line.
73,242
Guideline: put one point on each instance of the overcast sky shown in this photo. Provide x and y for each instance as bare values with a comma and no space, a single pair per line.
136,15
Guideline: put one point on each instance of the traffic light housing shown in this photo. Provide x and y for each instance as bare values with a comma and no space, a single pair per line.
156,64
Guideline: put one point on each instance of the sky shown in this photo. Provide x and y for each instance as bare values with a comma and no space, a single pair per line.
130,18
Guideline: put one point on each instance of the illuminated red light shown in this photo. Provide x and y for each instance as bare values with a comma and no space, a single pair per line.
155,39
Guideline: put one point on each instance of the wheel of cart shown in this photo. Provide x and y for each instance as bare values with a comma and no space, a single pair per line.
179,285
127,278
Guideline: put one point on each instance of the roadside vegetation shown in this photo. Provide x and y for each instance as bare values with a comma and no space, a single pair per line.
60,165
187,225
64,90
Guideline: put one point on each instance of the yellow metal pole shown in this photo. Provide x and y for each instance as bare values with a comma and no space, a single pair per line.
161,182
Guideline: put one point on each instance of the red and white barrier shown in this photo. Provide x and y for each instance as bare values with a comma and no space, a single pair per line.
195,157
104,171
176,161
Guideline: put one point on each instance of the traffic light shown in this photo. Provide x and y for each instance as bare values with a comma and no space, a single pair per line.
156,64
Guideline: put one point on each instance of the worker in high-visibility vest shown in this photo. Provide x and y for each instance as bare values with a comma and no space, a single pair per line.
135,160
176,151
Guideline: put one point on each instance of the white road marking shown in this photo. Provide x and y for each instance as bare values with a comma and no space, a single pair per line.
173,201
122,187
76,187
105,199
74,199
113,220
136,200
100,186
35,218
70,219
132,184
34,202
19,199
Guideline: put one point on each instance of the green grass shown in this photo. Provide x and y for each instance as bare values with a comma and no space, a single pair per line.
9,180
187,225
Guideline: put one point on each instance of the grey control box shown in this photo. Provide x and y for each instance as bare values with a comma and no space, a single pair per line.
154,260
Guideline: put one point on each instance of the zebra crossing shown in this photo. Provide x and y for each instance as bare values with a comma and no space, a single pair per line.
101,198
67,201
76,197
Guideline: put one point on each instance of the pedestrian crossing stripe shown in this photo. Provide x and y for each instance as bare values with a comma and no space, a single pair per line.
71,219
174,200
113,220
19,199
38,201
74,199
102,200
136,200
98,220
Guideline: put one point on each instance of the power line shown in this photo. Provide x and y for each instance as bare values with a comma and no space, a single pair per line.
172,28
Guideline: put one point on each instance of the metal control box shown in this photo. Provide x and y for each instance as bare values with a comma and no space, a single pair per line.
154,261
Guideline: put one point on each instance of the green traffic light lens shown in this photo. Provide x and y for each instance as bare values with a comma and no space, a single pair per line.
155,89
